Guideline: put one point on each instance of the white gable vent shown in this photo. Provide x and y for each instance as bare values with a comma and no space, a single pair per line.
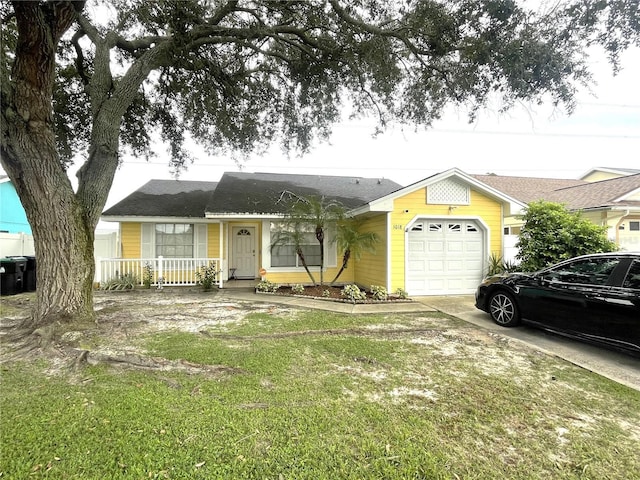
447,192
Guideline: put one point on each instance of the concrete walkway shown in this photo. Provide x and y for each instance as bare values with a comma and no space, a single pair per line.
618,367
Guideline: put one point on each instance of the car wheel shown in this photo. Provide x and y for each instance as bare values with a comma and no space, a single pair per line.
504,310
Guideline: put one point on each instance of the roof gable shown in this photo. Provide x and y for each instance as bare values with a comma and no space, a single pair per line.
452,176
264,193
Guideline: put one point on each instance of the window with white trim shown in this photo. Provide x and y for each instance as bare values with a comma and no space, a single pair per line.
174,240
283,248
634,226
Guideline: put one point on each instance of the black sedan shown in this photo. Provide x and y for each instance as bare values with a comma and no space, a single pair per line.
595,298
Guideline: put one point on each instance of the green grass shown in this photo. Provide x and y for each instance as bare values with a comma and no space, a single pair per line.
308,398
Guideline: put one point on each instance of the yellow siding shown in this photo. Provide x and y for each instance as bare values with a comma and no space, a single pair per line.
480,206
130,236
598,176
371,269
290,278
213,240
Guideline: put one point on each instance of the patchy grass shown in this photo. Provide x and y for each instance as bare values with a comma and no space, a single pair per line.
315,395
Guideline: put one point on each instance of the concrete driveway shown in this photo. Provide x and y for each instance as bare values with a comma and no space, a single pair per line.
619,367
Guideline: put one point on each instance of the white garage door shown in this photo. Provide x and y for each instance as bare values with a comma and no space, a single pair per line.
444,257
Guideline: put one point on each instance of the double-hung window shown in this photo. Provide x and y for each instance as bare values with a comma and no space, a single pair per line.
284,246
174,240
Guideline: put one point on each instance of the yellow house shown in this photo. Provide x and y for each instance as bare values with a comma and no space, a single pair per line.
436,235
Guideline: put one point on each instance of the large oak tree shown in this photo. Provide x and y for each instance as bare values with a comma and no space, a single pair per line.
84,81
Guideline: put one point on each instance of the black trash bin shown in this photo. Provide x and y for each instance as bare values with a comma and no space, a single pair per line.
30,274
12,276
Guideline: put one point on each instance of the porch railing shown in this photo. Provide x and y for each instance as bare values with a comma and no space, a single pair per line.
160,270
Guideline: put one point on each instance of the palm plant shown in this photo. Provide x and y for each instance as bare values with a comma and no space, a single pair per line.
352,242
318,214
296,236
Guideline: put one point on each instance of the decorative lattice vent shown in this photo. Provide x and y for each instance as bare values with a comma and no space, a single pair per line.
448,192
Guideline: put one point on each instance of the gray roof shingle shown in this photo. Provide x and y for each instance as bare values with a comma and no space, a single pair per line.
263,193
165,198
245,193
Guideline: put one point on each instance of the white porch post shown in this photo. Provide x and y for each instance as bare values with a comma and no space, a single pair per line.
160,266
220,257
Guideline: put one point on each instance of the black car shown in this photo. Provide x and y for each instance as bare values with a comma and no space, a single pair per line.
593,297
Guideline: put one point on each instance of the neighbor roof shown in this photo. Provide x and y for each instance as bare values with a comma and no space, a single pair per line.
165,198
605,193
528,189
263,193
617,171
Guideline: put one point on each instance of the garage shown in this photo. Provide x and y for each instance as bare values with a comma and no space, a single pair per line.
444,256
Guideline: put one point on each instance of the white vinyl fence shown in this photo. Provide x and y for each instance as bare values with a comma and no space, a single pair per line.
159,271
16,244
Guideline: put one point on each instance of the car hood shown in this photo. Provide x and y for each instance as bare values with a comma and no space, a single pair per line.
507,278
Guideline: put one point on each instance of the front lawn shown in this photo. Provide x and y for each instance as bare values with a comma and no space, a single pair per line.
240,391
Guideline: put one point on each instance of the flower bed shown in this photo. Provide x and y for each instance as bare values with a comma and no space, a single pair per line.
326,292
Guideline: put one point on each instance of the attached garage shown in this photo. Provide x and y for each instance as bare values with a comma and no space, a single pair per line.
445,256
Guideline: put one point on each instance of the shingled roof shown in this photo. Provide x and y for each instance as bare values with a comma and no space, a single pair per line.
527,189
166,198
605,193
264,193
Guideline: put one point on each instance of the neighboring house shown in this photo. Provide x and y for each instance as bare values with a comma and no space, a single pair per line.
13,218
604,173
613,201
436,235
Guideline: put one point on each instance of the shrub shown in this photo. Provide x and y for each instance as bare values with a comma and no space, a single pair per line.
128,281
353,293
401,293
207,276
378,292
498,265
147,274
297,288
326,293
551,233
267,286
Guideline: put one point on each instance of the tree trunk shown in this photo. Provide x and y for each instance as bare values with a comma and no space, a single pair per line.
62,230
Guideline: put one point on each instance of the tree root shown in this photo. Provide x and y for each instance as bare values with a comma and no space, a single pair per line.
82,358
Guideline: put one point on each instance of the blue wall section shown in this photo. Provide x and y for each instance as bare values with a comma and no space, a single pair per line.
12,216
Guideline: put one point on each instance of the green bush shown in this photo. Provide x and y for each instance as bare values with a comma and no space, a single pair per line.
128,281
353,293
401,293
207,276
297,288
378,292
551,233
267,286
147,274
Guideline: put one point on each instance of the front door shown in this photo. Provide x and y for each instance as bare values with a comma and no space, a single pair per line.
243,255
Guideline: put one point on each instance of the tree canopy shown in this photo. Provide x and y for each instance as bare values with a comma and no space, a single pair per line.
85,81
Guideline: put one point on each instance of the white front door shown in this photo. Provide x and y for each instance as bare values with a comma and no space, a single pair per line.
243,255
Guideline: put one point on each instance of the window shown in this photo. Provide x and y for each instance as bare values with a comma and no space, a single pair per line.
592,271
634,226
174,240
283,248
